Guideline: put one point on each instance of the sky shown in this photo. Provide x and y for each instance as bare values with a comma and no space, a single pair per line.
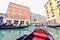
36,6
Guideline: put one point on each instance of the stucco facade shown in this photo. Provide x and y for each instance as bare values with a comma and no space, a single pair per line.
53,12
17,13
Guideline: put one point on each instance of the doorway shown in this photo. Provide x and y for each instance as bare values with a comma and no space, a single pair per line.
21,23
16,22
27,22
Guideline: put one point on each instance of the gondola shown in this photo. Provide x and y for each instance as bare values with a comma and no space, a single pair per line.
11,26
39,34
53,25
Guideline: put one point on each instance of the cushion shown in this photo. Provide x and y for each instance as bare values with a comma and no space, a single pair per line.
36,38
40,35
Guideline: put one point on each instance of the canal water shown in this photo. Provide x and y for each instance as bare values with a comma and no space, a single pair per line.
13,34
55,32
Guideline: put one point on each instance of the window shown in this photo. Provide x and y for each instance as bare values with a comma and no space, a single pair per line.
53,15
47,17
34,19
55,0
22,22
14,11
16,21
8,11
46,7
59,10
25,14
14,17
47,11
23,17
48,22
52,12
49,0
9,21
54,21
20,13
50,3
20,17
11,16
51,9
27,22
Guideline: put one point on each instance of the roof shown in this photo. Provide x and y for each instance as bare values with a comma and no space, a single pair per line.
18,5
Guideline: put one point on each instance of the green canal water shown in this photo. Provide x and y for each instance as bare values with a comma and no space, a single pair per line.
13,34
55,32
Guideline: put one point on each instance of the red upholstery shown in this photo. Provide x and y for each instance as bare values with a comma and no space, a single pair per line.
40,35
36,38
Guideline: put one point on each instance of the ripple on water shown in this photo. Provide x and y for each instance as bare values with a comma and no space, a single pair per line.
55,32
1,36
13,34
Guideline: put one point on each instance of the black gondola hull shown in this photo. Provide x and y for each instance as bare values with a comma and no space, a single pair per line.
12,27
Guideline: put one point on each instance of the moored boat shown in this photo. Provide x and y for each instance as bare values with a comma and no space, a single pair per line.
53,25
11,26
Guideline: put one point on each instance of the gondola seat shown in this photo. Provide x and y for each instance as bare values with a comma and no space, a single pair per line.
40,36
36,38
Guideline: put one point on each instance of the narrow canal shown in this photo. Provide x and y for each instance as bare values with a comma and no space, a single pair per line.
13,34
